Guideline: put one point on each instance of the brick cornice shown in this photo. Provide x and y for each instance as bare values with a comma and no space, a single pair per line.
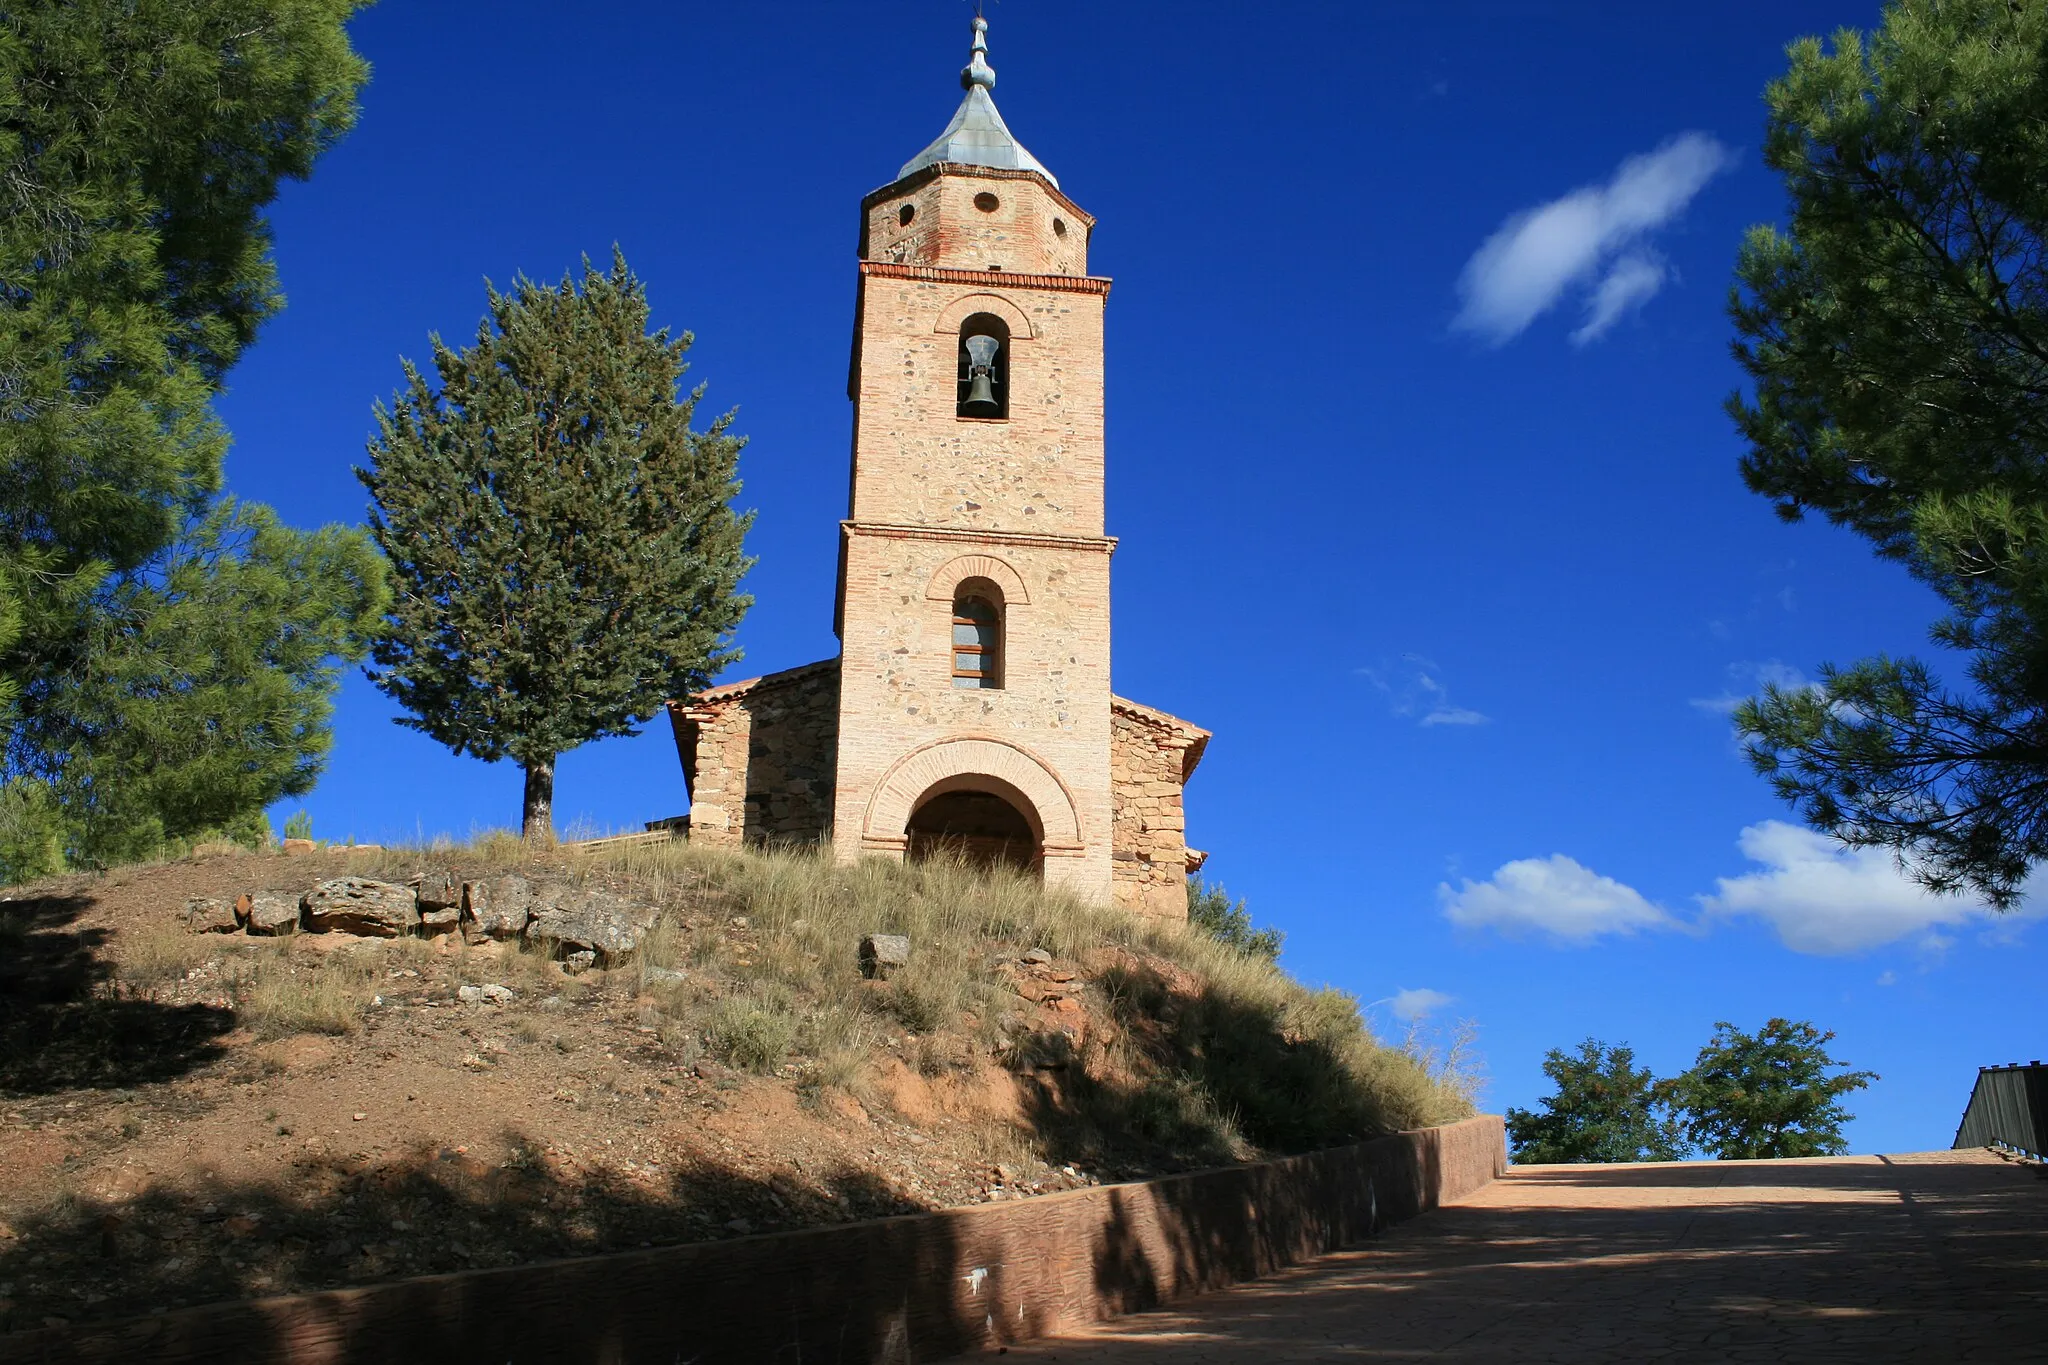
988,279
926,174
970,535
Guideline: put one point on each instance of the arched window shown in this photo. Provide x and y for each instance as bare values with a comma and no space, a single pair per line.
984,367
977,640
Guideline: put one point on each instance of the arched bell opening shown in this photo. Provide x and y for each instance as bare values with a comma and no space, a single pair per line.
966,819
984,388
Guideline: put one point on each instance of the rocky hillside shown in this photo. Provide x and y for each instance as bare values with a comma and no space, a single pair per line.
255,1074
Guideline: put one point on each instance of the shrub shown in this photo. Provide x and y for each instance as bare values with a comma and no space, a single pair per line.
1211,912
753,1033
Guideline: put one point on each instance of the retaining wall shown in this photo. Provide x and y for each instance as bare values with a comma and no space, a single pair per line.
915,1288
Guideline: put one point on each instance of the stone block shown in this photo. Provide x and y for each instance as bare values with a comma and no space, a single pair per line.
498,908
881,954
358,905
207,915
272,916
608,927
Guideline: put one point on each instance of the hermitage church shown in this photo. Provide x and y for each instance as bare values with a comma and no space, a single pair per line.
970,705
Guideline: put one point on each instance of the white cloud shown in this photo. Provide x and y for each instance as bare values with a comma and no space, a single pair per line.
1748,678
1413,691
1556,896
1888,978
1825,898
1408,1006
1629,284
1538,255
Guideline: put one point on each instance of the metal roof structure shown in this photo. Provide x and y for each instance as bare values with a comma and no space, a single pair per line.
977,136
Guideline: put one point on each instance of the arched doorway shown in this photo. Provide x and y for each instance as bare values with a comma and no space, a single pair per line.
980,827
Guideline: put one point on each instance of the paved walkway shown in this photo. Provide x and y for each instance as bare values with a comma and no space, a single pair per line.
1933,1257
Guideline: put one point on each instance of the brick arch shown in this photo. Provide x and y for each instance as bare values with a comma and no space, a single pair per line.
959,569
959,764
967,305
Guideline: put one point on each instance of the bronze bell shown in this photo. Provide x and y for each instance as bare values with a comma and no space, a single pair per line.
981,394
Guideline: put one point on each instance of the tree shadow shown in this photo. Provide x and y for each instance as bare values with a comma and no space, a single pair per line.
67,1024
1944,1269
1222,1075
81,1262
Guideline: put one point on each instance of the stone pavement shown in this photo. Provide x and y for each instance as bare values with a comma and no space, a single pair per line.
1934,1257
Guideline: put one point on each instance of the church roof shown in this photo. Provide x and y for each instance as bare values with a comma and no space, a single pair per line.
732,691
977,136
1193,736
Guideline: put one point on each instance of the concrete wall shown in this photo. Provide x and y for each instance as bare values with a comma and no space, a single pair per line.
918,1288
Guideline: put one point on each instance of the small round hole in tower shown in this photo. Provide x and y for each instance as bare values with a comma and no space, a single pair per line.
987,202
905,214
1059,227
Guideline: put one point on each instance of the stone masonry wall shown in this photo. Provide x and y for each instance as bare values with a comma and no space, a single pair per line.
918,463
976,218
1148,830
760,757
899,697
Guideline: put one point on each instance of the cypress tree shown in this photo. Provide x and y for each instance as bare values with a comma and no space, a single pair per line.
564,552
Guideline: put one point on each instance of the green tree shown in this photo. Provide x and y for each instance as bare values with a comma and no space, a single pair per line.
204,689
1211,911
1897,336
1767,1094
1605,1109
139,145
566,553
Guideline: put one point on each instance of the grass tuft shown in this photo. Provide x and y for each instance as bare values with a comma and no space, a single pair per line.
279,997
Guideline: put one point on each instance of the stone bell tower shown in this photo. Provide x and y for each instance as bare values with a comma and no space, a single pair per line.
977,490
970,707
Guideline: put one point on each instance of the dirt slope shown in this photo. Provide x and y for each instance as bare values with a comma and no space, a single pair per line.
157,1150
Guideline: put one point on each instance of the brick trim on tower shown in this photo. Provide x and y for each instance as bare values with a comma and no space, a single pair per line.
982,279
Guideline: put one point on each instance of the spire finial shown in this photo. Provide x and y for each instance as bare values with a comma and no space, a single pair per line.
978,71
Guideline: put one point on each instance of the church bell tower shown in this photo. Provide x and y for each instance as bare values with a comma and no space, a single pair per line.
969,711
974,587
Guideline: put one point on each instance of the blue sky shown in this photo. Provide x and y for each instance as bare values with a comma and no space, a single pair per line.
1428,506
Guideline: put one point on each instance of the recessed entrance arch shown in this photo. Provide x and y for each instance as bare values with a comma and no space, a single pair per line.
973,764
985,828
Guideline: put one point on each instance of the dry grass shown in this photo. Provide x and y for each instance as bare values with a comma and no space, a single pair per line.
278,997
161,951
1217,1056
1254,1059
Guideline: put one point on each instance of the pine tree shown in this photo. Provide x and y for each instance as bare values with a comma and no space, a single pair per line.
205,685
154,670
1897,335
564,547
1605,1109
1211,911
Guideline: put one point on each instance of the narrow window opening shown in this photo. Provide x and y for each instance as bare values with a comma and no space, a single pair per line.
984,389
977,642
